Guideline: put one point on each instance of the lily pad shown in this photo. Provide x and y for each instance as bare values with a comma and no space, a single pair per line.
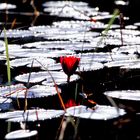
99,112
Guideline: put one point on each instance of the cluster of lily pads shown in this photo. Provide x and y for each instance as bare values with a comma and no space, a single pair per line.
56,55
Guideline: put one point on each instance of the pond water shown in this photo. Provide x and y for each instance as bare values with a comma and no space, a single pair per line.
39,33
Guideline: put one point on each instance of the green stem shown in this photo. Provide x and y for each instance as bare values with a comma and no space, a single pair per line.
7,58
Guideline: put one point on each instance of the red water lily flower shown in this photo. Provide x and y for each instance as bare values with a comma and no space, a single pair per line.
69,64
70,103
92,20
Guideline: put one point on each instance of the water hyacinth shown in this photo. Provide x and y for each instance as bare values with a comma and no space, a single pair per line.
69,65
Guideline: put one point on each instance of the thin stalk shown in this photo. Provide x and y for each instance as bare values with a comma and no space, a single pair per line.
76,91
111,21
26,104
113,104
13,23
7,58
104,33
59,128
68,79
56,87
8,61
121,27
9,127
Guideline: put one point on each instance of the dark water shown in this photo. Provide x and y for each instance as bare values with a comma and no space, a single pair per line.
25,17
24,13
